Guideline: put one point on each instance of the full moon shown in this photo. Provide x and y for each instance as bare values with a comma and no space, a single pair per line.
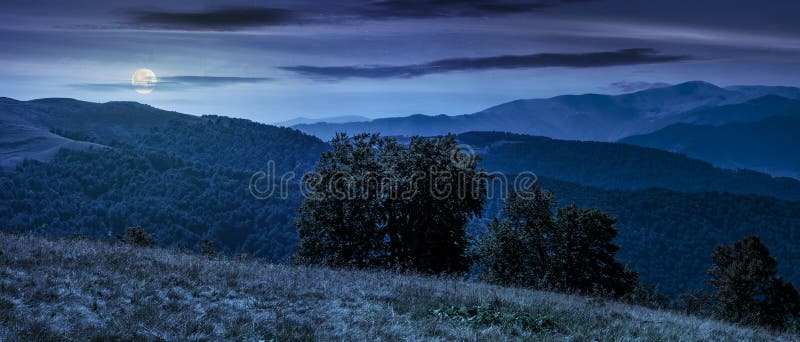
144,80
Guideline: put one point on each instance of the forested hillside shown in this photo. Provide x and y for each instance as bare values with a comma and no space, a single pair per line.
186,179
101,193
668,236
665,235
618,166
768,145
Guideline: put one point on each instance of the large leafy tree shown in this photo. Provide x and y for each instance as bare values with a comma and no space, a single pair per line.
570,250
375,202
339,223
747,287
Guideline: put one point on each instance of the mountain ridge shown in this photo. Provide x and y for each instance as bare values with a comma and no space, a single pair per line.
768,145
575,117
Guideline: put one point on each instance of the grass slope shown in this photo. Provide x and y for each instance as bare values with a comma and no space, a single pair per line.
84,290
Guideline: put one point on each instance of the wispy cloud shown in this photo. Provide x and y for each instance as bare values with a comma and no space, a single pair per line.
171,83
389,9
213,80
216,19
540,60
235,18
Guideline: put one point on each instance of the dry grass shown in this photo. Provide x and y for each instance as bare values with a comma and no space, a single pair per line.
84,290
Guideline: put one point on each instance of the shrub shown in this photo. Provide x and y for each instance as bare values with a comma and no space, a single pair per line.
207,248
138,237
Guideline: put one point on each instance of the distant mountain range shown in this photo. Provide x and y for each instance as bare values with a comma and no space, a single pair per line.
769,145
333,119
618,166
577,117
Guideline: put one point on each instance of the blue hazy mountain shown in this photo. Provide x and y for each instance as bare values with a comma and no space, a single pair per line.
769,145
577,117
749,111
332,119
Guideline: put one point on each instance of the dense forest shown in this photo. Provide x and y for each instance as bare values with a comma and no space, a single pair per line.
185,180
99,194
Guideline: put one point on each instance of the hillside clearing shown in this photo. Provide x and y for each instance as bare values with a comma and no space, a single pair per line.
81,290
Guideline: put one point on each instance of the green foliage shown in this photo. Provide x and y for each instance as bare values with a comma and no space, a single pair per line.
571,250
747,288
374,202
138,237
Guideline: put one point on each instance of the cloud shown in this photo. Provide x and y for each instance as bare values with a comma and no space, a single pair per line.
218,19
389,9
540,60
234,18
176,83
632,86
212,80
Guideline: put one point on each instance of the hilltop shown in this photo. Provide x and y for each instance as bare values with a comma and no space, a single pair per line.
79,290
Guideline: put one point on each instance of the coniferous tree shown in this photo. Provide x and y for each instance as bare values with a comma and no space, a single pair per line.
747,287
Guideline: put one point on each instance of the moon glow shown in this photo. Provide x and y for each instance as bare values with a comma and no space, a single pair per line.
144,80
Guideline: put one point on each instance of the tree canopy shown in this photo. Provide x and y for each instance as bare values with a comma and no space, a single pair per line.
373,202
570,249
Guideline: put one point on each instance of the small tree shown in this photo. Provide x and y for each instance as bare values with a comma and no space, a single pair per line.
584,253
747,287
138,237
207,248
571,250
514,250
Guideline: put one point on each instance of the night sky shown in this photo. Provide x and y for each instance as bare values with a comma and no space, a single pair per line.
272,61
